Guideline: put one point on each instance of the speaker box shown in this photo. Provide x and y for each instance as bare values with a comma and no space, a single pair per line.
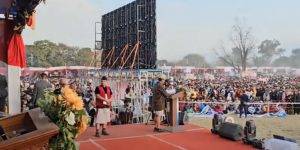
216,123
125,117
231,131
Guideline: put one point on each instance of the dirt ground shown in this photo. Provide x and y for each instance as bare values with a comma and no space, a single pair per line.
265,127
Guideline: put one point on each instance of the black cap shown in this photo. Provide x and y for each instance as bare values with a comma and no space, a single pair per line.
104,78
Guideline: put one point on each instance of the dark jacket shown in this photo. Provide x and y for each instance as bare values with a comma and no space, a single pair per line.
244,99
297,98
260,93
38,91
160,97
273,96
3,86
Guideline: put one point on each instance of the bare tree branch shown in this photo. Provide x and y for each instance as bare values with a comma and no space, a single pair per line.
243,45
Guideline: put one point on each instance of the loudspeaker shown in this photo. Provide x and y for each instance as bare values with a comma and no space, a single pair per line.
231,131
216,123
125,117
250,130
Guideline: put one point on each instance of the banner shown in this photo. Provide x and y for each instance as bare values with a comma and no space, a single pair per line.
16,52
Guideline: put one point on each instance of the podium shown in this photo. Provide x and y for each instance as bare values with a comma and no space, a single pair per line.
30,131
173,114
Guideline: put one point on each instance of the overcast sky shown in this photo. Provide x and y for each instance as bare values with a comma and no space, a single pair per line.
184,26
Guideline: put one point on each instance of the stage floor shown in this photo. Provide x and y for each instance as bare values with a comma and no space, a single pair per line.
142,137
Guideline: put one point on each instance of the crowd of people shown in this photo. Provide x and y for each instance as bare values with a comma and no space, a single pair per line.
223,94
202,96
32,88
235,93
92,96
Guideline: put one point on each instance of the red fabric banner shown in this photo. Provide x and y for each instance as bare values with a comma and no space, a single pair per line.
16,51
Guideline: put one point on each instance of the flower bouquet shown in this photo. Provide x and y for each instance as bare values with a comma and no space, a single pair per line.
67,112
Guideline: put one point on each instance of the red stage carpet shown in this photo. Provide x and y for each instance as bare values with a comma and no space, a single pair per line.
142,137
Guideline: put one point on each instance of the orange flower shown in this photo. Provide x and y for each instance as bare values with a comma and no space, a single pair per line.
72,99
82,125
78,104
60,98
66,91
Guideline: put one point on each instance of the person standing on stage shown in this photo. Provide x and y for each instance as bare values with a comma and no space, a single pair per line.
160,97
103,102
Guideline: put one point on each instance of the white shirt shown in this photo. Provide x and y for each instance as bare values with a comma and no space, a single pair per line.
171,90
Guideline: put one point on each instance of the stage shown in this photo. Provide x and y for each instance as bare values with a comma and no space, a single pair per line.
142,137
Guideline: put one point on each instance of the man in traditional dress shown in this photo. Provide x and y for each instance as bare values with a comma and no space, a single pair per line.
103,102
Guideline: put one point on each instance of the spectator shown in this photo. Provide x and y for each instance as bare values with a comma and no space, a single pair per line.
243,105
103,102
39,88
297,100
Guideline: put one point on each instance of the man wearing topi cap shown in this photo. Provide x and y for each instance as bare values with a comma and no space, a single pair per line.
160,97
103,102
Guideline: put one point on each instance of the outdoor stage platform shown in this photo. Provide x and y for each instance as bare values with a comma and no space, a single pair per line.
142,137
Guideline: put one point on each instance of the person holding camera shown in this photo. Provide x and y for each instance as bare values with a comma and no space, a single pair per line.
103,102
90,102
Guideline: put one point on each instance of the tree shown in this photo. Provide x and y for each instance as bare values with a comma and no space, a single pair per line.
268,49
48,54
243,45
282,61
294,58
257,61
162,62
38,53
193,60
84,57
296,52
189,60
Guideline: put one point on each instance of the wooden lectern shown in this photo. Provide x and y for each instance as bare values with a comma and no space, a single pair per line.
173,114
27,131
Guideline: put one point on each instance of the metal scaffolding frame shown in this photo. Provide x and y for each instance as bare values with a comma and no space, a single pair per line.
129,24
98,42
